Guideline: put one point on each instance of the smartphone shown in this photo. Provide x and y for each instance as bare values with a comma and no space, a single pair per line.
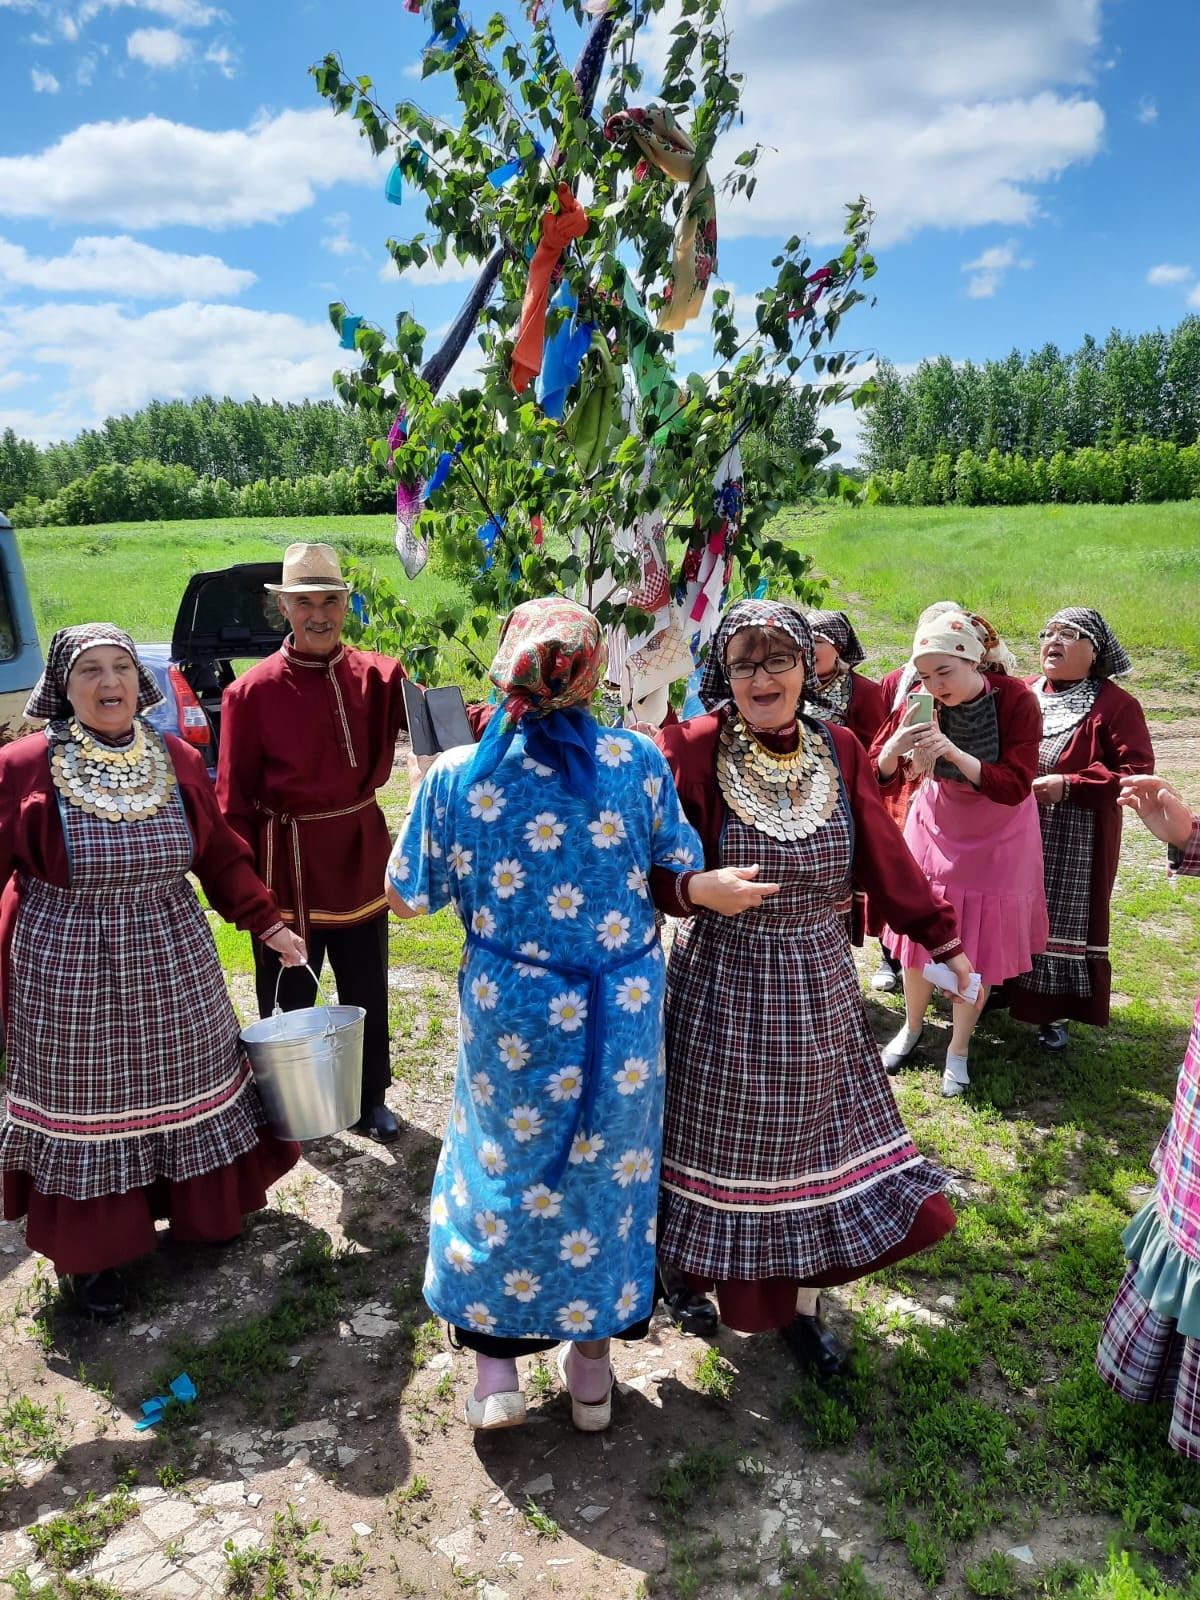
920,710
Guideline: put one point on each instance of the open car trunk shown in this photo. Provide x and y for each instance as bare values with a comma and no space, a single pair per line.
224,617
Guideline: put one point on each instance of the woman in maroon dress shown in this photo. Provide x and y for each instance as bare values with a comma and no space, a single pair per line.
1093,735
129,1096
786,1167
840,694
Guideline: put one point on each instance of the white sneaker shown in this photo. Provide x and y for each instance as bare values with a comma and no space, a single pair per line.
503,1410
956,1076
884,980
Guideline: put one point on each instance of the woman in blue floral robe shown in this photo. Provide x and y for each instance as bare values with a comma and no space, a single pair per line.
545,838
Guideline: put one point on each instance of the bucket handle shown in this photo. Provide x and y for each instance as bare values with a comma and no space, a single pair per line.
277,1011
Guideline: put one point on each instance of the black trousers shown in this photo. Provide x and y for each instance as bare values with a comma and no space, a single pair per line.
359,958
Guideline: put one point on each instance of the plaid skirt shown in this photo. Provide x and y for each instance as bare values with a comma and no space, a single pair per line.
784,1155
1143,1357
124,1064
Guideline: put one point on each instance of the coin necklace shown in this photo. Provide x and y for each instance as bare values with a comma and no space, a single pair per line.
126,783
784,795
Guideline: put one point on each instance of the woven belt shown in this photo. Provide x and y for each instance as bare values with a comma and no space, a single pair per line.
280,822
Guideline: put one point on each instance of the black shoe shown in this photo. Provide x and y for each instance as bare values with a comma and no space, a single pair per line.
1053,1036
379,1124
99,1295
814,1345
692,1312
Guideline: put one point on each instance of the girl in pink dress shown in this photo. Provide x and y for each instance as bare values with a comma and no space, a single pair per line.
973,826
1150,1345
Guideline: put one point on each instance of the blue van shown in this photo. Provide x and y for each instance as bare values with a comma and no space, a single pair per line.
20,655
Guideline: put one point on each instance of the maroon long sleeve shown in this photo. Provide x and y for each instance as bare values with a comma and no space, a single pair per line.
1111,742
1019,717
883,865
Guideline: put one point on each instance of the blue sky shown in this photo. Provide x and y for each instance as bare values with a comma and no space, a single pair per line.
177,206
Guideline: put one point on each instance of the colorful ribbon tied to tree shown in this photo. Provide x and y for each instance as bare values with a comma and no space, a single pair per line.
558,230
664,145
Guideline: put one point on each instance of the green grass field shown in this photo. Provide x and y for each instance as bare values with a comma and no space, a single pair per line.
1139,565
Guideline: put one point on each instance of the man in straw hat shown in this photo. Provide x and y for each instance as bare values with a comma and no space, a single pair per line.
307,738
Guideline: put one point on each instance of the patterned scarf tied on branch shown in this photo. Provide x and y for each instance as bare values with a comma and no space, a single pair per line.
664,145
558,230
706,567
413,552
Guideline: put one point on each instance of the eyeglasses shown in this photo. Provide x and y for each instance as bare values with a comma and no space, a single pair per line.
776,663
1061,630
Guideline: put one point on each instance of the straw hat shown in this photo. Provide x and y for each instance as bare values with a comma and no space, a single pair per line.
309,569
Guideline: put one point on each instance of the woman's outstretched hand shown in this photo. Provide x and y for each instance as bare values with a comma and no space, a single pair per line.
288,946
1160,806
730,890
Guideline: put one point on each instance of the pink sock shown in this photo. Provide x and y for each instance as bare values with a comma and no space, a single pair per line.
587,1376
495,1375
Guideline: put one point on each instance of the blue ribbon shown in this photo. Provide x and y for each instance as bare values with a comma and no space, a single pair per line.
513,169
350,326
487,536
594,1036
562,355
183,1390
394,188
449,38
442,471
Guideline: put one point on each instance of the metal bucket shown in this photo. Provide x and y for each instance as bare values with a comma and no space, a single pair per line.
308,1067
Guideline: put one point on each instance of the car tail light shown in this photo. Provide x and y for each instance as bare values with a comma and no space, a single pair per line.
193,724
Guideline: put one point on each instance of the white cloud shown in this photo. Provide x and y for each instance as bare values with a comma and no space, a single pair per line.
429,275
337,238
43,82
158,47
153,172
1147,110
223,58
96,358
990,269
121,266
1166,274
183,13
945,115
1193,298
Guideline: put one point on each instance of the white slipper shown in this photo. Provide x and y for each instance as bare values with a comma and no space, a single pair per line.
956,1077
588,1416
898,1049
503,1410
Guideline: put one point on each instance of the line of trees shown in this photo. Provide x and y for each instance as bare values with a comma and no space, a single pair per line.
148,491
240,441
1147,471
1130,388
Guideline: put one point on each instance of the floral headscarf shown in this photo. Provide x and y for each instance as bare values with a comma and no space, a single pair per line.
49,697
714,683
548,663
1111,660
839,630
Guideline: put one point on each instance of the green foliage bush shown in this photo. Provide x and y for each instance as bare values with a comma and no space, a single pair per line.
1145,471
147,491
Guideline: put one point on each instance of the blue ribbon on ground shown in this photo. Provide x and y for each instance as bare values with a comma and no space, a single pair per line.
350,326
595,1029
183,1391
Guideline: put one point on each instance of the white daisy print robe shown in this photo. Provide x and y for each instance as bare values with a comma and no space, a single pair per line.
542,1221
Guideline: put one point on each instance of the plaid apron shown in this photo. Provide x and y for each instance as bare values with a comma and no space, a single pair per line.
783,1153
124,1064
1068,850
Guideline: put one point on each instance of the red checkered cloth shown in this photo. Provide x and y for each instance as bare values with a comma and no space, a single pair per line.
784,1154
124,1064
1142,1357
